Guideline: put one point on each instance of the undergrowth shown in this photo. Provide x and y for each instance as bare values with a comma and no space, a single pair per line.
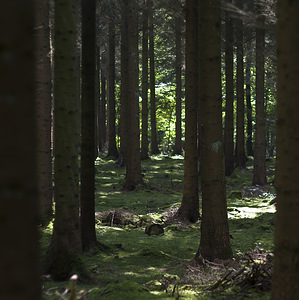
139,266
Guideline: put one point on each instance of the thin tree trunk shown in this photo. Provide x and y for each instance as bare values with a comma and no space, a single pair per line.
229,100
112,149
214,239
43,108
102,108
133,161
124,85
144,139
248,101
19,257
62,256
286,237
88,234
259,172
178,87
189,209
154,140
240,136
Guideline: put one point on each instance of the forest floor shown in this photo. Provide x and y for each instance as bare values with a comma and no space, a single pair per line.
141,266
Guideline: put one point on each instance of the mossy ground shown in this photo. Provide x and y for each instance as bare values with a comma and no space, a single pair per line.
138,266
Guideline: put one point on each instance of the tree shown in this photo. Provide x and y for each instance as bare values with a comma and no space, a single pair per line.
214,239
154,140
286,237
87,212
189,209
112,149
144,138
240,137
102,105
178,86
229,96
19,251
133,161
248,99
43,107
259,172
124,96
62,255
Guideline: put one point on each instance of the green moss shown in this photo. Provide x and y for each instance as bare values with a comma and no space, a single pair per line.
126,290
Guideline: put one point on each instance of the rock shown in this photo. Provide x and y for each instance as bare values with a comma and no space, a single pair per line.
154,229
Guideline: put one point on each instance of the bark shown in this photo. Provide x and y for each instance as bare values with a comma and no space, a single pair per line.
248,101
102,108
144,139
87,221
133,161
43,108
124,84
62,255
286,236
112,149
189,209
19,251
178,88
154,140
259,172
240,136
214,240
229,99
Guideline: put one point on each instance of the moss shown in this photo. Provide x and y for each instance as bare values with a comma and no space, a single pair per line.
126,290
61,266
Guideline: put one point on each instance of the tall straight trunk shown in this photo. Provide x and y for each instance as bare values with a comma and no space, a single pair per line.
102,107
214,239
240,137
124,92
178,85
144,139
62,256
112,149
154,139
286,236
189,209
133,160
248,100
19,253
43,108
88,234
259,172
229,96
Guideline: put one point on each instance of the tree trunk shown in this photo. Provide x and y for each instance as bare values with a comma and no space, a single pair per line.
229,99
88,234
214,240
62,256
286,237
240,136
154,140
43,109
248,100
133,162
178,87
259,172
19,257
102,108
112,149
189,209
144,139
124,85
